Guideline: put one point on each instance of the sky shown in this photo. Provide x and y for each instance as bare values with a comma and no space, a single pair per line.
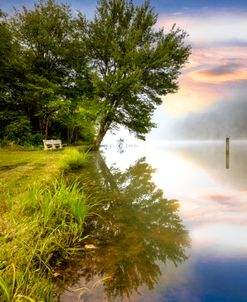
214,79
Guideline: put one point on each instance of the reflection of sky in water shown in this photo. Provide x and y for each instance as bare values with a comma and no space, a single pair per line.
213,207
211,280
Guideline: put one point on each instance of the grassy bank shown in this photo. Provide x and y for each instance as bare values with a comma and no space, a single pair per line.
41,220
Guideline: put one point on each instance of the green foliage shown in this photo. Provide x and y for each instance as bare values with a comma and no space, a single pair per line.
11,76
6,52
73,159
58,206
45,34
79,123
40,227
132,64
54,218
10,292
75,79
18,130
53,69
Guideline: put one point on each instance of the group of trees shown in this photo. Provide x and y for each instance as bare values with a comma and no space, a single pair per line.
64,76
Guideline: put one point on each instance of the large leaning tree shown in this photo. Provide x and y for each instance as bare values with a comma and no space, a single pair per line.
132,64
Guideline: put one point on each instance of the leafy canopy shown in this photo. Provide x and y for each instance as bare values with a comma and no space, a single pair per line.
132,63
65,75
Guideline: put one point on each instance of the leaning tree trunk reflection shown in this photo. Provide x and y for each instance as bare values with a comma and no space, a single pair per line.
136,228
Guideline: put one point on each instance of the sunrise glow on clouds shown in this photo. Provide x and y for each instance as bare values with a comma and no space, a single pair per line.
218,59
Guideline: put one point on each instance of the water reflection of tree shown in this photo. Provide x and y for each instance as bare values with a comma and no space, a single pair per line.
136,228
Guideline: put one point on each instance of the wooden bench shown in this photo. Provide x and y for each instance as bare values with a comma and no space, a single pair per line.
52,144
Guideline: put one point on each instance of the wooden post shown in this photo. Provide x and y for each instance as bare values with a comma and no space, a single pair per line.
227,153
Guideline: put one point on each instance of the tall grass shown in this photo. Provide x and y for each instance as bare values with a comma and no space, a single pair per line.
46,226
73,159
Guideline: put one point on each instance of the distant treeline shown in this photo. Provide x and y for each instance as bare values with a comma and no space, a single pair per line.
62,76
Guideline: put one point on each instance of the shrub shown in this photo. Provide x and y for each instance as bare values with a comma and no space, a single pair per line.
19,130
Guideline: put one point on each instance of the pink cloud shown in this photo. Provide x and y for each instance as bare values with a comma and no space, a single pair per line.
223,199
219,57
220,209
210,76
211,28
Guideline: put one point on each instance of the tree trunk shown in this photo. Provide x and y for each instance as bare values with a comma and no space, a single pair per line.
104,126
43,125
46,127
109,181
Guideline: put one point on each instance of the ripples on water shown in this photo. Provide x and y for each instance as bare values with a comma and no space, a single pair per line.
172,226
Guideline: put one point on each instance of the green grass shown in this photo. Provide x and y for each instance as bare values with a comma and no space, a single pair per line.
41,220
73,160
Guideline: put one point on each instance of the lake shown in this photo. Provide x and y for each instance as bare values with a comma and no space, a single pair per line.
172,226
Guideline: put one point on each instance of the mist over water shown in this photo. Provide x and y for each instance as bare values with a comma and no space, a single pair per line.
221,120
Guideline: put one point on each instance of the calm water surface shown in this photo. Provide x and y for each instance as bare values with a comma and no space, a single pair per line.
173,226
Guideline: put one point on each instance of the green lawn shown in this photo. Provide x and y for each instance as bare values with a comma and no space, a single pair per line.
20,169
